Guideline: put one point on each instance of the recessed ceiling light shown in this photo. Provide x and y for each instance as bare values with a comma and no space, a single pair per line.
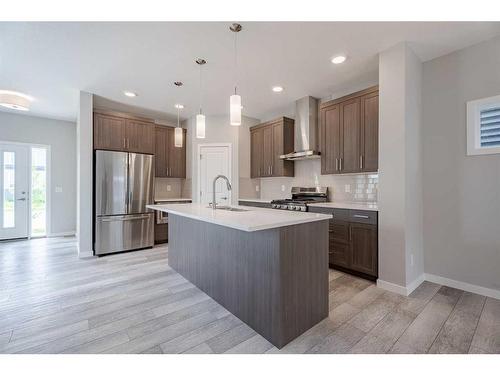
339,59
130,94
277,89
179,106
15,100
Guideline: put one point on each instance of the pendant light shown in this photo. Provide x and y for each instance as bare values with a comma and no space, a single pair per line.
178,130
200,118
235,100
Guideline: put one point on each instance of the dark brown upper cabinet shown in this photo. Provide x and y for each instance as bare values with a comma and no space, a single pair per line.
349,133
170,161
121,132
268,141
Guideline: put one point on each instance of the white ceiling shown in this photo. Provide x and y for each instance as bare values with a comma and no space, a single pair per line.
53,61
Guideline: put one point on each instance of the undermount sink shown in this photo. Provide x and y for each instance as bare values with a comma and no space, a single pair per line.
228,208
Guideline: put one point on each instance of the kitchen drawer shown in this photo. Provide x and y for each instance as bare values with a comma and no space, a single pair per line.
341,214
364,217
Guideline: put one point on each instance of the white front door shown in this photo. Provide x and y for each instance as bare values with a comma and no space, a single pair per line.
214,160
14,193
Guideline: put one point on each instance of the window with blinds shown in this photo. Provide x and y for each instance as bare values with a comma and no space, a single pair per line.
483,126
490,127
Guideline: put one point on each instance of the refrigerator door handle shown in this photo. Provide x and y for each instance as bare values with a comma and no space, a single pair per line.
125,218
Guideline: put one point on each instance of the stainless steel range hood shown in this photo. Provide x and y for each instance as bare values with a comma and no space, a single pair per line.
306,130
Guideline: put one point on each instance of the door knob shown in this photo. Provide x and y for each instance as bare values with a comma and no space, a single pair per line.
223,198
21,199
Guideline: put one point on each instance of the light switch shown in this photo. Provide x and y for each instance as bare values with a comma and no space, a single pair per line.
347,188
58,189
282,187
257,188
169,188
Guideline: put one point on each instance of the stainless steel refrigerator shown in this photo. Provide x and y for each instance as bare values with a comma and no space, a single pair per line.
123,188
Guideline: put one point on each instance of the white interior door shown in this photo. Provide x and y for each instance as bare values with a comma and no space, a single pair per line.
214,160
14,193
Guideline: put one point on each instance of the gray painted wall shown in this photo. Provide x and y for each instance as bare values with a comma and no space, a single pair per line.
218,130
461,193
61,136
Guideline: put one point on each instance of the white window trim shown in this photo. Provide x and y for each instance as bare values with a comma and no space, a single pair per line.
474,108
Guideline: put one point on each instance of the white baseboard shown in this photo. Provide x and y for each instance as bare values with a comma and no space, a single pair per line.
399,289
415,284
85,254
493,293
62,234
395,288
405,291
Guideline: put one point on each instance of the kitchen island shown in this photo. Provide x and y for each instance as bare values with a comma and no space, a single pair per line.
267,267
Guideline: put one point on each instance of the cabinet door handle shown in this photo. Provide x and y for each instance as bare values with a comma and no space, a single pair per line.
361,216
360,161
336,164
271,170
340,164
350,233
124,142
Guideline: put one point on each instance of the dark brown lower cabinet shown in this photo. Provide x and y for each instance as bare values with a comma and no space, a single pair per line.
364,248
353,245
161,233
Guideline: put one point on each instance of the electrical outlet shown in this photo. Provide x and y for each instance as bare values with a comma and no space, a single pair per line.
347,188
169,188
282,187
58,189
257,188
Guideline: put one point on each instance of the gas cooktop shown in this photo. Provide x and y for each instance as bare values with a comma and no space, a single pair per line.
301,196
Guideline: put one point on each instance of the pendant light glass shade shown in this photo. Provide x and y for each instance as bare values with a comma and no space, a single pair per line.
178,137
178,130
200,126
235,110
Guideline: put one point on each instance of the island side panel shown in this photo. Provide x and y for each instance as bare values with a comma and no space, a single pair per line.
304,277
238,269
274,280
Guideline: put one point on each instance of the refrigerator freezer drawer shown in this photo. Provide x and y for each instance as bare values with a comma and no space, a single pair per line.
124,232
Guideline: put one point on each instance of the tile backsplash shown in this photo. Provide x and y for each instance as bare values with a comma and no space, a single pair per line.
166,188
353,187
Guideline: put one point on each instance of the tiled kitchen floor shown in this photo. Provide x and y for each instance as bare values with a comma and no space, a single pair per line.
53,302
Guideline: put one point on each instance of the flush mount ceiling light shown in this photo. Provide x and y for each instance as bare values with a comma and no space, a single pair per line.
277,89
200,118
235,100
339,59
130,94
15,100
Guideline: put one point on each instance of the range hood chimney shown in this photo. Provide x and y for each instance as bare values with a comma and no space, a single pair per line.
306,130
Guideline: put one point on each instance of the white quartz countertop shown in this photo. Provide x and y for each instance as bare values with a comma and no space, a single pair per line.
256,200
252,219
347,205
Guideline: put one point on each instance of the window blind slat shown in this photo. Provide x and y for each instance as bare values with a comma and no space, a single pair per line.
490,127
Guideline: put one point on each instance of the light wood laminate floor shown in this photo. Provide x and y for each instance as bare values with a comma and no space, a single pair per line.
53,302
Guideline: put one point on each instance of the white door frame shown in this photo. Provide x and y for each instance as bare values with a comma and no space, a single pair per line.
198,164
49,177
